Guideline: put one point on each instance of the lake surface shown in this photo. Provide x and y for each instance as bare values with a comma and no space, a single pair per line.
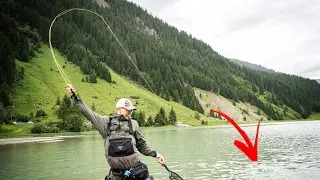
286,151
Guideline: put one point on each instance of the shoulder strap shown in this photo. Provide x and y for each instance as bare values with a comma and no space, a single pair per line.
130,126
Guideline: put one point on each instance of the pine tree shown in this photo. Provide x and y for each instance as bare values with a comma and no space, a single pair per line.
172,117
150,121
140,118
87,78
105,74
158,121
84,67
185,100
66,101
92,76
176,97
163,116
166,95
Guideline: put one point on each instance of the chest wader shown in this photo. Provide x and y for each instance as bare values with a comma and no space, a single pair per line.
120,147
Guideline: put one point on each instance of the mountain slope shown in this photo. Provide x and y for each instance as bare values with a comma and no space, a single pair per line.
238,111
173,61
41,86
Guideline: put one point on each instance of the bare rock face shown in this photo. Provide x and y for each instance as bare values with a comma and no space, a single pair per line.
146,29
102,3
237,111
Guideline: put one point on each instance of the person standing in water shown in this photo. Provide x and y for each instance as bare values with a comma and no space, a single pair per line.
123,140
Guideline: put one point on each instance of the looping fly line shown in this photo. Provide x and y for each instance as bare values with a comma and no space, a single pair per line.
64,76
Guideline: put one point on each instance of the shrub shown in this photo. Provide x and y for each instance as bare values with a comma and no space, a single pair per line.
203,122
134,97
51,129
245,111
22,118
196,116
41,128
38,129
40,113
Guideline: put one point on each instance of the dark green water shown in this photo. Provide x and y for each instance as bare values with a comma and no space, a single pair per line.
286,151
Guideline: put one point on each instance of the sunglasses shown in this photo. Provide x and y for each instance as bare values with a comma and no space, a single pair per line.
130,111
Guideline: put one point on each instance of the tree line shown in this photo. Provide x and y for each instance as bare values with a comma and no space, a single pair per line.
17,41
161,119
70,119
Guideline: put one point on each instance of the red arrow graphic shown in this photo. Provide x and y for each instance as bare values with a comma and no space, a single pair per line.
249,150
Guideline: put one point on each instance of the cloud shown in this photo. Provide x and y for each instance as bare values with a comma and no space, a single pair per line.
313,69
283,35
280,11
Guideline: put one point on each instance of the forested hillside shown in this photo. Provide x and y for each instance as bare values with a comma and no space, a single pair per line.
172,61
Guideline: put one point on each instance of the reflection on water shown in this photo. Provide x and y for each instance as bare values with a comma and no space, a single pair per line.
286,151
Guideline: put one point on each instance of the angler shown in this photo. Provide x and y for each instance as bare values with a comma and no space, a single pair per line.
123,141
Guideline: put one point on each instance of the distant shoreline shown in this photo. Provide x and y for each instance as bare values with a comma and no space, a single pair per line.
58,138
48,139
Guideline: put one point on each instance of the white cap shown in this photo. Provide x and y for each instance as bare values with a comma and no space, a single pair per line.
126,104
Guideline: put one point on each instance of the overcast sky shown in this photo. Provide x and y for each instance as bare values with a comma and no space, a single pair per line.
283,35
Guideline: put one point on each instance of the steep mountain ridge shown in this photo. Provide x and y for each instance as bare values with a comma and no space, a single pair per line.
251,65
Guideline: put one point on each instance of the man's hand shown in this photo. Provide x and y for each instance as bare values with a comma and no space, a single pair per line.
160,159
69,89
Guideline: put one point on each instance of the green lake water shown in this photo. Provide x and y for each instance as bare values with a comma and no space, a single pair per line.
286,151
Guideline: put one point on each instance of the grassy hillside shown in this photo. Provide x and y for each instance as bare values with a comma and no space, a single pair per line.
314,116
41,86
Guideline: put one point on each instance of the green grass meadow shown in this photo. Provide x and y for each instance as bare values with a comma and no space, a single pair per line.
41,86
314,116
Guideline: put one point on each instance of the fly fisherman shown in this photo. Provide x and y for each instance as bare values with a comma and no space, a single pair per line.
123,141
